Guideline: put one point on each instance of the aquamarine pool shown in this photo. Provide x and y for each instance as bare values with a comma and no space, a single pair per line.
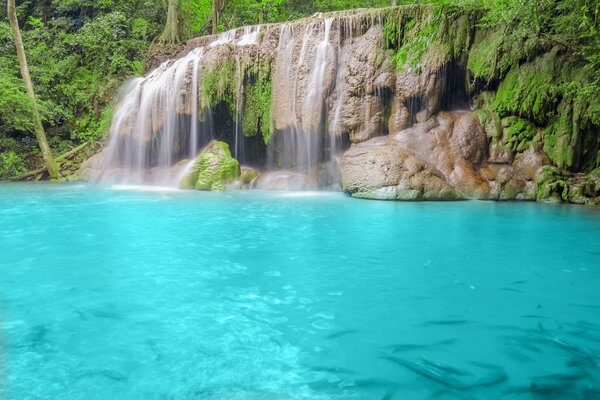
127,294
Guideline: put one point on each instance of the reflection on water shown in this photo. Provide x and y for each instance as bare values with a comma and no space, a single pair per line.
132,294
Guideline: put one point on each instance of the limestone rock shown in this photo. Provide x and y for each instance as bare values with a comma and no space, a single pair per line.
468,139
213,169
387,172
432,141
364,74
283,180
91,168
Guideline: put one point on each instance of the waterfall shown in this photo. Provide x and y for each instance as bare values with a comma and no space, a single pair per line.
299,145
314,102
161,121
250,35
147,132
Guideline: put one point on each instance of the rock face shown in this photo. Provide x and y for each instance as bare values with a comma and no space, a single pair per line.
212,170
443,158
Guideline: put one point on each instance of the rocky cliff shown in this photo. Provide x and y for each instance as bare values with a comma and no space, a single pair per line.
410,102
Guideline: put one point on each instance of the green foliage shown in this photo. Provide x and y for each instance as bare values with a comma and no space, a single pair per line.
257,104
529,90
11,165
219,85
79,53
518,133
334,5
432,34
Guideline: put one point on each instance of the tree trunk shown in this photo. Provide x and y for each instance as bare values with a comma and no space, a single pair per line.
215,16
217,9
189,20
45,4
37,121
172,32
393,3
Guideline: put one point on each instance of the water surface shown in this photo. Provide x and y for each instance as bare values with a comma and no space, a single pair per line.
129,294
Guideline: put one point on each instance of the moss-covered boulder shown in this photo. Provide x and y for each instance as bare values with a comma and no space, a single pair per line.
247,176
555,185
212,170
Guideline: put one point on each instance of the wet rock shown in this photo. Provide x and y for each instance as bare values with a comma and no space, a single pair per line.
364,74
247,176
212,170
499,154
387,172
432,142
374,127
91,169
556,186
468,139
386,80
399,116
284,180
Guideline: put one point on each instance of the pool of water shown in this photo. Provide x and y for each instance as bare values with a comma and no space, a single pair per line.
132,294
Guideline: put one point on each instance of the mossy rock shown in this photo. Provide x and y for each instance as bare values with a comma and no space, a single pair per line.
247,176
213,169
556,185
560,136
517,133
529,90
551,184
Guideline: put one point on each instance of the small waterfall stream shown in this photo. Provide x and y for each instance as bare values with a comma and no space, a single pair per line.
150,132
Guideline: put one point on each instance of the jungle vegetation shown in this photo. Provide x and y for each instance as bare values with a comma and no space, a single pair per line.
80,52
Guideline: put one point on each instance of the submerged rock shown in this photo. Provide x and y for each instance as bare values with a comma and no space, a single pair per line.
212,170
284,180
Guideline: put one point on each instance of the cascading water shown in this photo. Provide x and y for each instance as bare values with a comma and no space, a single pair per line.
149,129
168,116
250,35
302,131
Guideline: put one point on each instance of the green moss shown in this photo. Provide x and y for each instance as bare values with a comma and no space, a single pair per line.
518,133
213,169
551,184
498,48
484,57
556,185
529,91
489,120
559,137
429,36
218,85
257,102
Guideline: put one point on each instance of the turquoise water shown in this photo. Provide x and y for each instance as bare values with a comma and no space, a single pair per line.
124,294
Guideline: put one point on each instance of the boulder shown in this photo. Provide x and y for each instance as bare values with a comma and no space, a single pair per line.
247,176
213,169
468,139
387,172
